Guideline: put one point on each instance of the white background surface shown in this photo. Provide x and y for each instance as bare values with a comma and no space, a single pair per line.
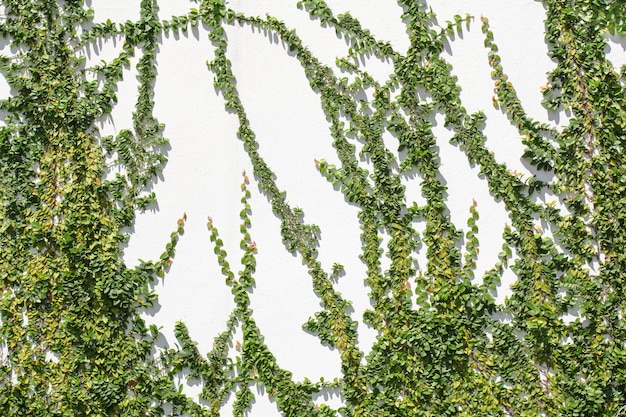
203,174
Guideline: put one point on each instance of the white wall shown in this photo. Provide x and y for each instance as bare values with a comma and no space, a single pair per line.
203,174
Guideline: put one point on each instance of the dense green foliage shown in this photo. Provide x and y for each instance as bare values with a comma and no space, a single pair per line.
75,343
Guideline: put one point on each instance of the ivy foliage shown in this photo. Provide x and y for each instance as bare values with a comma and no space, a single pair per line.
74,342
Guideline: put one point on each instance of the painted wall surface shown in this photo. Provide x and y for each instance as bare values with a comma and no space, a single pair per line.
206,159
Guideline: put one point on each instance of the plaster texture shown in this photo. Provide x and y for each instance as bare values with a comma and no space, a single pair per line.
206,159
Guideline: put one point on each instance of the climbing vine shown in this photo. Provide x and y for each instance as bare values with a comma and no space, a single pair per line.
72,336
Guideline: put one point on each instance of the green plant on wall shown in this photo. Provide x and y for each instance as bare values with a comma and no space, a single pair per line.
74,342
